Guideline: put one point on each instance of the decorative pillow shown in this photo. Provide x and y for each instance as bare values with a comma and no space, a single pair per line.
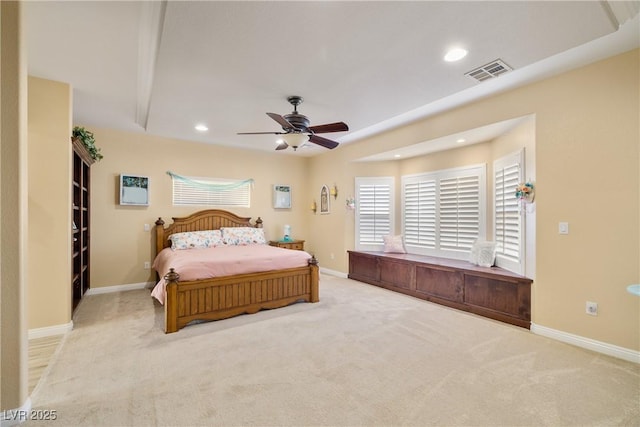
196,239
483,253
243,236
394,244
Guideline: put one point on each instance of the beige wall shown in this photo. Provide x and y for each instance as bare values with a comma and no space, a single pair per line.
13,208
49,288
587,170
119,244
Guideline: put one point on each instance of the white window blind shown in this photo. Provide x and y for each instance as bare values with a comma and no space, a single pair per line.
374,211
459,212
198,191
444,211
420,213
508,224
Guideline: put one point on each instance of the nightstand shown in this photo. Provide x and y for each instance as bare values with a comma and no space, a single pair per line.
292,244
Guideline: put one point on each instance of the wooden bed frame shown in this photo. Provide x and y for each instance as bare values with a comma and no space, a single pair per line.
223,297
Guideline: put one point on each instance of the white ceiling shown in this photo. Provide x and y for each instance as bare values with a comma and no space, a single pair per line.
162,67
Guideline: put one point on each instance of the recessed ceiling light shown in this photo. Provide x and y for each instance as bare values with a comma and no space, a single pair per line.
461,140
397,155
201,128
455,54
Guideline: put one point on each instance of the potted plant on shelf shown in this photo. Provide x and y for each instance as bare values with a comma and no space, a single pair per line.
89,142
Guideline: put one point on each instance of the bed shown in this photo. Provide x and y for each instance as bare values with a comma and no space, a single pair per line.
220,297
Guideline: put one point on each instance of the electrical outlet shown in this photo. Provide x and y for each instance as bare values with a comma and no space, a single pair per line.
147,265
592,308
332,256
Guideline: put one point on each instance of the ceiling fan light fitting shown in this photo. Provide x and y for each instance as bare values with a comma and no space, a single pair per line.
295,139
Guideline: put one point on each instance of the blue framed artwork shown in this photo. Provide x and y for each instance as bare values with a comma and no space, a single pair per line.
134,190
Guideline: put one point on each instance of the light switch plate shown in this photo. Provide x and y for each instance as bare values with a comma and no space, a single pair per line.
563,227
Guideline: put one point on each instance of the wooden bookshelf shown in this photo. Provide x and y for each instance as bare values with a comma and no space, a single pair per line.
80,233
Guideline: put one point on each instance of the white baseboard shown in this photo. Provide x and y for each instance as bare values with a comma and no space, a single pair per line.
588,343
13,417
119,288
333,272
49,331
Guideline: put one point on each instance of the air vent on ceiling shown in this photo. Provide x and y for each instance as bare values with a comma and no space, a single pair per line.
490,70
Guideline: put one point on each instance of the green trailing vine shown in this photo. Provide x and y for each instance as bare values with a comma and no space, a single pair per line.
89,141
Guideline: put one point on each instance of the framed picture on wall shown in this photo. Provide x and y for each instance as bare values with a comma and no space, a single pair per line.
282,196
134,190
324,200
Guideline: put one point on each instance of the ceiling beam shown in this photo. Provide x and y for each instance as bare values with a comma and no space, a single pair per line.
149,37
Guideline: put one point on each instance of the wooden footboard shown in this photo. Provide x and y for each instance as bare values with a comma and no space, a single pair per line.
224,297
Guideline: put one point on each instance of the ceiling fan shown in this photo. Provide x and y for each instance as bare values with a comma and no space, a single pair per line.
296,127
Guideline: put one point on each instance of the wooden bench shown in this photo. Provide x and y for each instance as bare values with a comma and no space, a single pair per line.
487,291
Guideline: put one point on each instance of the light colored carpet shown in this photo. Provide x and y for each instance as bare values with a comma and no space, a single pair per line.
362,356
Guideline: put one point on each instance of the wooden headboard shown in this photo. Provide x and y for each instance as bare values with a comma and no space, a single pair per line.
210,219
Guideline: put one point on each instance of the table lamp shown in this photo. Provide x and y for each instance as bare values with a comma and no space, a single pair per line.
287,233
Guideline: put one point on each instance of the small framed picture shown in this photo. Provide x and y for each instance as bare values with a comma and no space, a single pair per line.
134,190
282,196
324,200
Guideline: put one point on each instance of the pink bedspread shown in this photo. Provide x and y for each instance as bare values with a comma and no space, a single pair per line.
195,264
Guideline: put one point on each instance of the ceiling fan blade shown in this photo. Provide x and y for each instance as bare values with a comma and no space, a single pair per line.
281,120
283,145
326,143
329,127
260,133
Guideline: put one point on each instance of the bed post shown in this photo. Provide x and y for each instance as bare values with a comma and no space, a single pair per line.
159,235
315,279
171,302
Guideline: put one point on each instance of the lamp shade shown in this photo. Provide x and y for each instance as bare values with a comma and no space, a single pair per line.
295,139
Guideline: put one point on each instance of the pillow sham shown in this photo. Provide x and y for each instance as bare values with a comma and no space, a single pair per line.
196,239
394,244
483,253
243,236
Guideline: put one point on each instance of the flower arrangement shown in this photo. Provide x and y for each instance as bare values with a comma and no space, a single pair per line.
525,191
351,203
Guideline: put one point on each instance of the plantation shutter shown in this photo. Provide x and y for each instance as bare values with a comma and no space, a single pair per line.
210,192
420,213
459,212
374,211
508,227
443,212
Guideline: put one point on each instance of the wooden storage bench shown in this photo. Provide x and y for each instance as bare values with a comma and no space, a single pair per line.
487,291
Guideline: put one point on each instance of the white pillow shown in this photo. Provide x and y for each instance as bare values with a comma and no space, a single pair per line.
394,244
483,253
243,236
196,239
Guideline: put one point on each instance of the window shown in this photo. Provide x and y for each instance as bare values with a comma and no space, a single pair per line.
374,211
218,192
508,229
444,211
